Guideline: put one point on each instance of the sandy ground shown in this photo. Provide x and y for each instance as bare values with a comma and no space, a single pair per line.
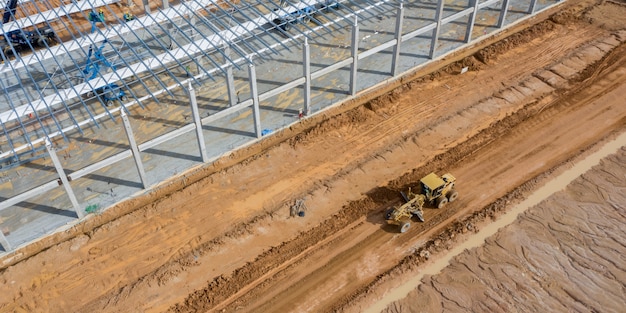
565,254
227,242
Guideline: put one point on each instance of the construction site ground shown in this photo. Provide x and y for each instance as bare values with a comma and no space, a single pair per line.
532,258
530,107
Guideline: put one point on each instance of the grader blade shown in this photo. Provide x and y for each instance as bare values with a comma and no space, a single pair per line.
419,216
404,196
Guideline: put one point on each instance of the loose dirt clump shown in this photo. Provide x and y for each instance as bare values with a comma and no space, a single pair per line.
356,116
565,17
379,104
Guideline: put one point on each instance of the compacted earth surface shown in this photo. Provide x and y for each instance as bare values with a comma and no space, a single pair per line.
534,102
565,254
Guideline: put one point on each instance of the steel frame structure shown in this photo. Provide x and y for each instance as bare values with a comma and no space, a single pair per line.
185,34
253,35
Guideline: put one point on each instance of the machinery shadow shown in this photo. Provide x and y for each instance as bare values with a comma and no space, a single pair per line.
383,198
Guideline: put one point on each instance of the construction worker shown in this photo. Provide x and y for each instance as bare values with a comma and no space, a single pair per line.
128,16
93,16
101,14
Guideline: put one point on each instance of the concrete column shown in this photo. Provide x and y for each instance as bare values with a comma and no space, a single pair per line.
503,11
171,31
230,80
398,36
4,242
134,149
471,20
306,57
192,21
64,181
255,101
146,6
355,57
533,5
435,36
192,32
196,119
166,4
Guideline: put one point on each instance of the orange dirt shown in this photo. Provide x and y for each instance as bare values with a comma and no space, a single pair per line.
566,251
226,241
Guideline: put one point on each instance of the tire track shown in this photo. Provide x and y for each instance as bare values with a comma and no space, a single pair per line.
436,219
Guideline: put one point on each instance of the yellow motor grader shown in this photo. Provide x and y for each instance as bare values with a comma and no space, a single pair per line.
435,191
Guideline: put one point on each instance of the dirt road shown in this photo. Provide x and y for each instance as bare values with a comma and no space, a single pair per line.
228,242
549,134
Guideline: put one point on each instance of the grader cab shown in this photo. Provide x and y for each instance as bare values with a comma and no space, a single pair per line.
435,191
439,190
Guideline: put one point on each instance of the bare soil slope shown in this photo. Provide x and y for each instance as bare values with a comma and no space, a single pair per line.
227,241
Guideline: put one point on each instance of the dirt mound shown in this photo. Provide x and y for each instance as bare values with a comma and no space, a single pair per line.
489,54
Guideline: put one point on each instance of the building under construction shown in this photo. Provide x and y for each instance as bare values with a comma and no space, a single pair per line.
103,99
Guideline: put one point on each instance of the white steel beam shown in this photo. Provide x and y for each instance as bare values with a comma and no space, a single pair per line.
5,115
164,59
176,12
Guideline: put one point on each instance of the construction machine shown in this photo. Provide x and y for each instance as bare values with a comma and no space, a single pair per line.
9,11
110,93
22,39
303,15
435,191
285,20
96,60
19,39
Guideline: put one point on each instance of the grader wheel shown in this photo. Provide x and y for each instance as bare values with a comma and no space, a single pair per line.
43,42
452,195
441,202
388,213
7,51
